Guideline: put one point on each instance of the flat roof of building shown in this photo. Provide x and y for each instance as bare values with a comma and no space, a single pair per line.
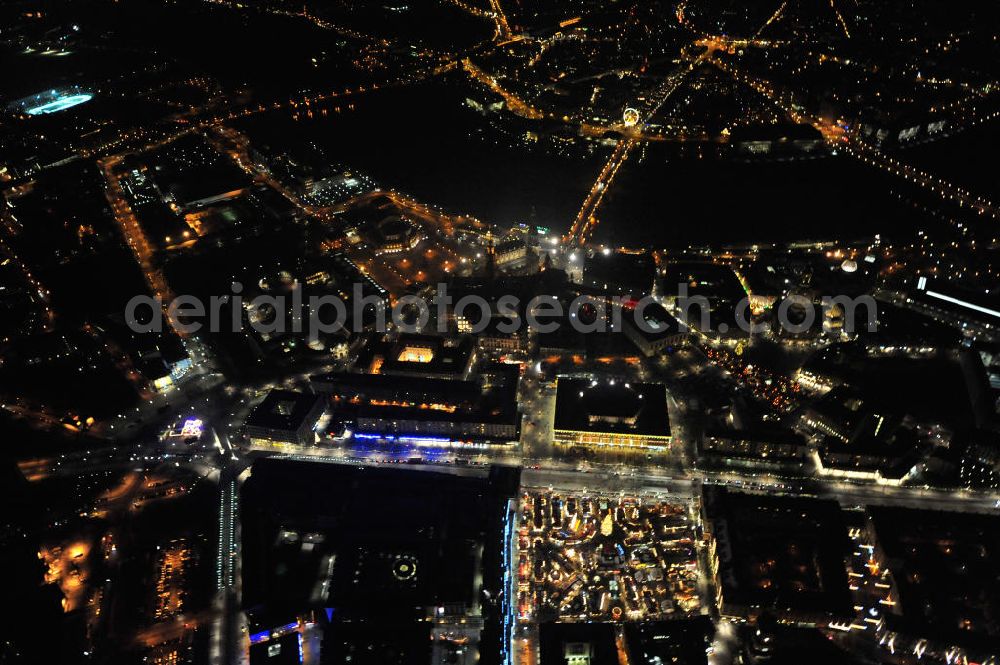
776,435
403,540
402,386
946,567
284,650
207,182
611,405
680,642
786,554
946,387
714,281
618,272
786,131
417,398
378,642
566,643
283,410
652,322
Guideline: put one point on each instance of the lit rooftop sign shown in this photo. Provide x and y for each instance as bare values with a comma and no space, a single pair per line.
192,427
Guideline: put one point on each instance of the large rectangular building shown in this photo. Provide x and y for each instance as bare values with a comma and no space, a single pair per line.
778,555
755,449
285,417
423,356
381,561
611,413
653,330
944,573
439,410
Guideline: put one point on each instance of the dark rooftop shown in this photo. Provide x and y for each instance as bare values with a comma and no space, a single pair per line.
402,540
207,182
284,650
714,281
568,643
946,568
283,410
382,385
656,322
620,273
425,399
681,642
609,405
776,132
781,553
377,643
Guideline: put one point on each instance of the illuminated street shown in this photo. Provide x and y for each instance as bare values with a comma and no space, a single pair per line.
483,332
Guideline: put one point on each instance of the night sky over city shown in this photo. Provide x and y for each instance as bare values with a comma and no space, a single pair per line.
500,332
